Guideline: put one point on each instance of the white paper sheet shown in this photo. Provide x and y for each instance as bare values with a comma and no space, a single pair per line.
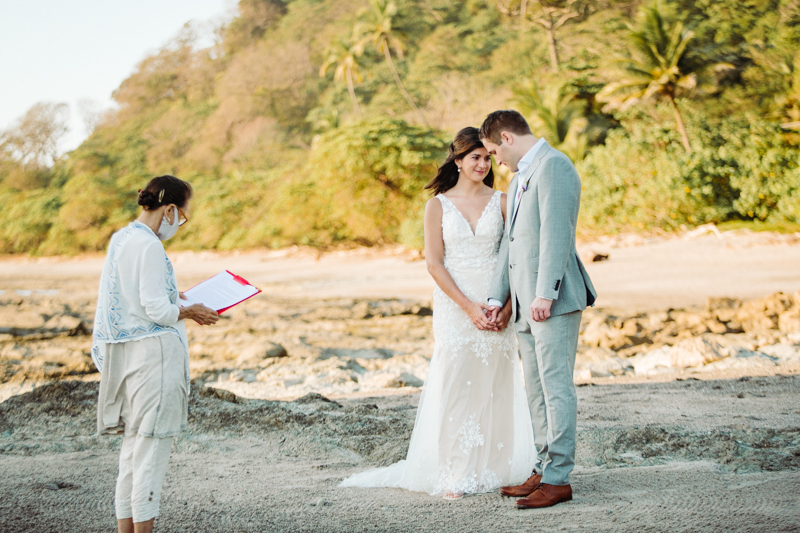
219,292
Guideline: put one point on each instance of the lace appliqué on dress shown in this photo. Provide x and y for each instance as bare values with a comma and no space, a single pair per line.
470,483
469,435
470,259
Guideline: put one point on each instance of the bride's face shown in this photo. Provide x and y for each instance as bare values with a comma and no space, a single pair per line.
475,165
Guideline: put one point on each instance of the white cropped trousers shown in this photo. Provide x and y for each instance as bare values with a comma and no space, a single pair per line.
142,466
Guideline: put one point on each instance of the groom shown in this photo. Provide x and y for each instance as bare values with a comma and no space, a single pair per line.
539,269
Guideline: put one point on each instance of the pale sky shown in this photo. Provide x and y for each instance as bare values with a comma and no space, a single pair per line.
68,50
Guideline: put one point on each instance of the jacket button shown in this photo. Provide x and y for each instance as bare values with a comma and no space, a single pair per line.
512,239
510,266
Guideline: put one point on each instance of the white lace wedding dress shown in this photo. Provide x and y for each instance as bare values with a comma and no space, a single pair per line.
473,428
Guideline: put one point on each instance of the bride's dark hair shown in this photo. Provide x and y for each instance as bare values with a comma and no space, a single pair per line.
446,178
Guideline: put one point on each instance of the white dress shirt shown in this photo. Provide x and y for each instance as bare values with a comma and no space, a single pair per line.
522,166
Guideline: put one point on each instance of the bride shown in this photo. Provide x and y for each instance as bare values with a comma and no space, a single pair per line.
473,428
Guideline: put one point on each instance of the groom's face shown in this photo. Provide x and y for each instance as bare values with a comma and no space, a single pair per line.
503,153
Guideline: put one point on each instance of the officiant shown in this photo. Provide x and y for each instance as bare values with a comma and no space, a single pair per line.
140,347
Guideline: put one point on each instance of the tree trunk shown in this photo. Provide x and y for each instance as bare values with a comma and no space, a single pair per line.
551,42
681,128
400,85
352,92
523,13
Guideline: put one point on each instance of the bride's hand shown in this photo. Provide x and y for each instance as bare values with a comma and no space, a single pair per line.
477,314
501,322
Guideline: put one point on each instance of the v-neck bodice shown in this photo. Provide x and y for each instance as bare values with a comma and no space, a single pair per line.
485,209
465,249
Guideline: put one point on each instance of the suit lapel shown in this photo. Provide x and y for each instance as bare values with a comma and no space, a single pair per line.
527,177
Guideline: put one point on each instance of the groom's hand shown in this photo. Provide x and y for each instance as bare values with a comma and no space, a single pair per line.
540,309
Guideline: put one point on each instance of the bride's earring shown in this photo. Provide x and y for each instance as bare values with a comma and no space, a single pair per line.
459,169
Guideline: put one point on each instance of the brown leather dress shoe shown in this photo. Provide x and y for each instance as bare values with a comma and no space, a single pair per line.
526,488
545,496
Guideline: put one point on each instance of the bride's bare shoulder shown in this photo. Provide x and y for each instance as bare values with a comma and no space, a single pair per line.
434,203
433,208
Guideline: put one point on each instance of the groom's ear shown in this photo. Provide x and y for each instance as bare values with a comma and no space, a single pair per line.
507,137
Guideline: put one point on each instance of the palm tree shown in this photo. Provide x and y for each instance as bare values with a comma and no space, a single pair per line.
556,114
658,68
376,28
345,57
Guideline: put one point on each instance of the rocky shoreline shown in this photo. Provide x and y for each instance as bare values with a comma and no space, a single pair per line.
272,349
757,335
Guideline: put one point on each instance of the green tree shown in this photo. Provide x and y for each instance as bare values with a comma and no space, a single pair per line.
661,66
556,114
363,183
344,56
376,26
551,15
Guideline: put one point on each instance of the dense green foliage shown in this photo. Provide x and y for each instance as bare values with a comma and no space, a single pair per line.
743,169
319,122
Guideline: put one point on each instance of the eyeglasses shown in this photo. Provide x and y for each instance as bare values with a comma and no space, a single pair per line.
182,218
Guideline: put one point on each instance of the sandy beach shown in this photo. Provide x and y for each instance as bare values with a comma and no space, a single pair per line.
688,374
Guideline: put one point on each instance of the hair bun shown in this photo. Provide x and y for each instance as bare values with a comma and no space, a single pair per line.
164,190
146,199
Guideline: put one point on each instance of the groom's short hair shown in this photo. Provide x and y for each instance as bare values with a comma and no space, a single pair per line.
503,120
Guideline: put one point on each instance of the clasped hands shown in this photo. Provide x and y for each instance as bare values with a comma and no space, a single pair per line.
494,318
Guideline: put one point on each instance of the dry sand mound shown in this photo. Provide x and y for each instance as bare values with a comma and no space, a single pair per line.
60,417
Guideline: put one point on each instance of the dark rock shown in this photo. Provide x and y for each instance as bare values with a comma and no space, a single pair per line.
18,322
405,380
224,395
362,310
313,397
422,310
255,356
362,353
789,321
722,304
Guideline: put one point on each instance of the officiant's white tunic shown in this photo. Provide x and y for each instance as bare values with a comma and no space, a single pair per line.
139,345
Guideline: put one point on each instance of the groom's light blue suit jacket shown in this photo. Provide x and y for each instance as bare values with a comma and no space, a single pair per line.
537,254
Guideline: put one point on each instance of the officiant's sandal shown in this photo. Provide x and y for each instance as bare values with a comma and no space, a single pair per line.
518,491
545,496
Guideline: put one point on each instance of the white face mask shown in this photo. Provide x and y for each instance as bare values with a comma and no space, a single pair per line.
166,230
